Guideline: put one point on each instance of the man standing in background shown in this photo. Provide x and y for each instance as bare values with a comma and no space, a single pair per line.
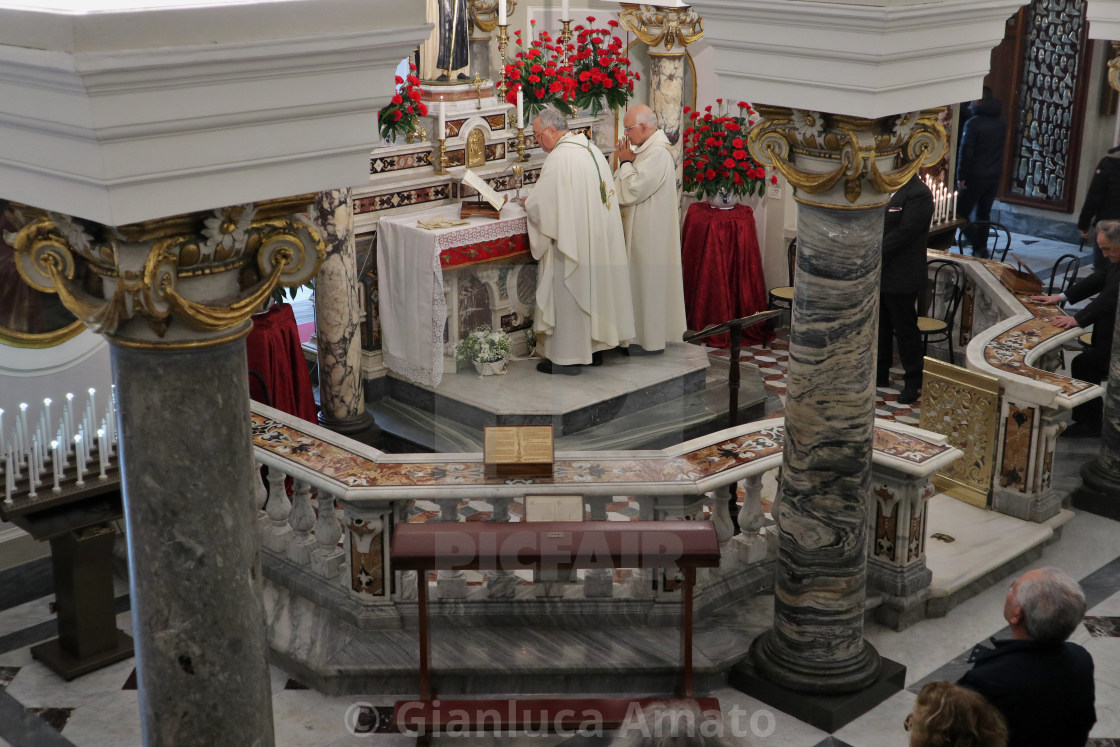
980,166
1102,202
646,185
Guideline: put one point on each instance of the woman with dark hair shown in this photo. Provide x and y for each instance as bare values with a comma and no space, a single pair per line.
948,715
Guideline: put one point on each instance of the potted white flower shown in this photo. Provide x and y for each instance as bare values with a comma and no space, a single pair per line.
487,350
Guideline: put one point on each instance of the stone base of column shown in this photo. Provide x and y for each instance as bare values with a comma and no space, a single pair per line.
814,676
826,712
1099,492
900,612
1038,507
898,582
360,428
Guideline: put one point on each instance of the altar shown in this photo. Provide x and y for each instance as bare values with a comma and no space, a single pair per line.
435,285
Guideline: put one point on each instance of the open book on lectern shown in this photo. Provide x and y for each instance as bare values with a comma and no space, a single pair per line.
487,192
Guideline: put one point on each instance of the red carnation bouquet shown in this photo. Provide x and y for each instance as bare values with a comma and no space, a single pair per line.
601,68
715,153
402,115
543,73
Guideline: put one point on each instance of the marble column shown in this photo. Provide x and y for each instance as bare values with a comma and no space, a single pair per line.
1099,491
337,322
173,296
667,32
843,169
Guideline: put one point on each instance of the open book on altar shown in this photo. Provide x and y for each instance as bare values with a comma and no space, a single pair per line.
485,192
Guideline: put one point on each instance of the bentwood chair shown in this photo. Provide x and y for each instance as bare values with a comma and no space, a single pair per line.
998,237
781,297
937,306
1063,273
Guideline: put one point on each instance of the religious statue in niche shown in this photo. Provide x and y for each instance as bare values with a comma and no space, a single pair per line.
445,56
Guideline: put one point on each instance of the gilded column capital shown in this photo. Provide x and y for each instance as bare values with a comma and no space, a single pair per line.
179,282
484,13
845,162
1114,65
666,31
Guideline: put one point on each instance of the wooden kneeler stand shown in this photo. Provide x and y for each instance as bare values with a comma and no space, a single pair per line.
562,545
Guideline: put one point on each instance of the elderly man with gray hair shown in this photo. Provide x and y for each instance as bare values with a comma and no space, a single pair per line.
1092,365
1041,683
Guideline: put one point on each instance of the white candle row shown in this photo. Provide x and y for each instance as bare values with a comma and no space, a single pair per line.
944,201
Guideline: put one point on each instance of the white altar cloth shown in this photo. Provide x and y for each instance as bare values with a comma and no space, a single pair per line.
411,300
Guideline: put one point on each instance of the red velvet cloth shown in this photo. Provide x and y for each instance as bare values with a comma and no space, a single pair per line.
722,271
274,352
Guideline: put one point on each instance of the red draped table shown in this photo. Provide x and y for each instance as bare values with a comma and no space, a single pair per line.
722,270
274,352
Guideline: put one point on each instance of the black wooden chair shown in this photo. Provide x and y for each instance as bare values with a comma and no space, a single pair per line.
937,306
1063,274
998,237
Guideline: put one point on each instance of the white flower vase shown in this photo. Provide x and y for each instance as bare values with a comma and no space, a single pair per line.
723,199
490,368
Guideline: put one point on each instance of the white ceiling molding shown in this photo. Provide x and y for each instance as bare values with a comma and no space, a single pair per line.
861,58
129,114
1104,19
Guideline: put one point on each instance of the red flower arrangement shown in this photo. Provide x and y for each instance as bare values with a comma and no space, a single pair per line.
715,154
402,114
601,69
543,73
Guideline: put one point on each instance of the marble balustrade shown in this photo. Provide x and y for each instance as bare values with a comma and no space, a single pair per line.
367,492
1010,338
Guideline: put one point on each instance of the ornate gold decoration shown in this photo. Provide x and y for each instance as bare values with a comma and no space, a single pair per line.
662,27
207,271
484,13
476,148
1114,67
963,406
882,153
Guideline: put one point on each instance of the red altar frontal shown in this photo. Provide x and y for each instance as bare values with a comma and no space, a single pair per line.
722,266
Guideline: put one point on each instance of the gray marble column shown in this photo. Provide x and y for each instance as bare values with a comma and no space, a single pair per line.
193,548
1099,492
337,309
842,170
817,641
666,87
174,296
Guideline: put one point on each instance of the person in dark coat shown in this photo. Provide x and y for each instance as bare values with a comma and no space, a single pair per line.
1041,683
1102,201
905,236
1092,364
980,166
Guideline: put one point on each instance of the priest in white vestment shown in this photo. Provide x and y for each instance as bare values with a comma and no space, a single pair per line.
575,232
646,186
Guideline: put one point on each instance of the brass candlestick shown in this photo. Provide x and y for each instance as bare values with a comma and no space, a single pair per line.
521,154
565,31
441,159
503,41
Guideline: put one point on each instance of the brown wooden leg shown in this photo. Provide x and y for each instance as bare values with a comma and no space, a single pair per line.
686,631
425,643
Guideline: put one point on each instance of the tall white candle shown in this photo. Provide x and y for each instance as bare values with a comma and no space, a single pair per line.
23,421
57,465
502,20
1,429
442,127
46,414
520,109
9,478
79,458
565,14
102,452
953,212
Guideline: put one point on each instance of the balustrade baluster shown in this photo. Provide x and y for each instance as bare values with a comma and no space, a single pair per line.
500,584
260,492
327,557
449,584
406,580
750,545
598,582
276,530
301,519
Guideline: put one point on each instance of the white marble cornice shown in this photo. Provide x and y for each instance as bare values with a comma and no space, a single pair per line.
869,58
126,115
1104,19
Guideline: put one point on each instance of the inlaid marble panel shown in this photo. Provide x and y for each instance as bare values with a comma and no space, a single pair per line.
1018,430
1006,351
401,161
402,197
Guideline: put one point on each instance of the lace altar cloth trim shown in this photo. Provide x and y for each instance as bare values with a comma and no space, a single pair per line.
488,231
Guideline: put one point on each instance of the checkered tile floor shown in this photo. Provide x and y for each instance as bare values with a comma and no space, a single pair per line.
773,360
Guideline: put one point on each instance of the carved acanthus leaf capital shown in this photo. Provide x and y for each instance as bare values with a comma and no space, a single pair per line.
484,13
843,161
663,30
1114,66
182,281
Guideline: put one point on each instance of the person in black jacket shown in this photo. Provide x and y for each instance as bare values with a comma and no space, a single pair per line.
905,236
1092,364
1102,201
980,165
1041,683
